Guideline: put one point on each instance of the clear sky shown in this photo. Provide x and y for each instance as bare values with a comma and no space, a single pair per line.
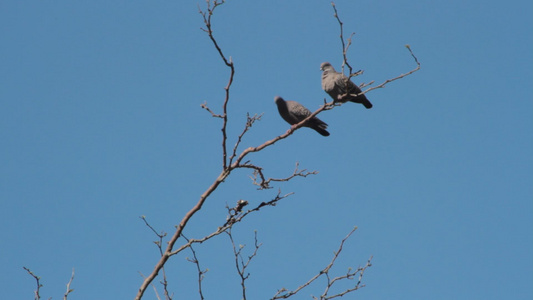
100,123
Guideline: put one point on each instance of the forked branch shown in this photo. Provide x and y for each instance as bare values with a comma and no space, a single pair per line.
264,183
201,272
159,244
209,30
240,264
284,293
36,293
69,290
249,123
37,280
346,46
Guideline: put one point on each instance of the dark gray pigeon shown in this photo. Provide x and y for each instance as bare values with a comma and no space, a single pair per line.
334,83
293,112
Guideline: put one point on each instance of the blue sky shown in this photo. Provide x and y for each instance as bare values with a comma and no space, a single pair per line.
100,123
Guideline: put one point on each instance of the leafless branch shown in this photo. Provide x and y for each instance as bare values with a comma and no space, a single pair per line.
235,215
249,123
353,74
37,279
37,295
284,293
229,63
264,183
382,85
200,271
225,169
344,52
344,46
240,264
399,76
272,202
160,236
159,244
350,275
69,290
222,176
204,106
153,286
209,30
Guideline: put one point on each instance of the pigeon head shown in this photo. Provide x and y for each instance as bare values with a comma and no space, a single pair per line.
326,66
278,99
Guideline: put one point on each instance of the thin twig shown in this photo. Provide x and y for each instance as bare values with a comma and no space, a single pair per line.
204,106
265,183
352,74
159,244
249,123
284,293
199,270
349,275
382,85
37,279
399,76
69,290
240,264
344,46
236,215
153,286
209,30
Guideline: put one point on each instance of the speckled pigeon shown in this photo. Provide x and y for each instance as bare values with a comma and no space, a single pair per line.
334,83
293,112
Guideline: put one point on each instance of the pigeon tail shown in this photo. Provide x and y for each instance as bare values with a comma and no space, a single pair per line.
320,130
366,103
318,125
362,99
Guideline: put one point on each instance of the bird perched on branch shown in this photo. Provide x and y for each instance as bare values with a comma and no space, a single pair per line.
293,112
340,88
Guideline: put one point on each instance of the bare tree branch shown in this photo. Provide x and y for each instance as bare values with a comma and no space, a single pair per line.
209,30
399,76
344,46
69,290
207,20
249,123
153,286
265,183
236,215
350,274
204,106
159,244
284,293
37,279
352,74
240,264
36,293
200,271
382,85
179,229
